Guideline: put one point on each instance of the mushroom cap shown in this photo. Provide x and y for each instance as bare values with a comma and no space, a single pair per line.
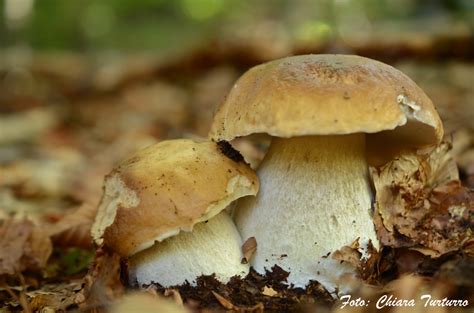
327,95
167,188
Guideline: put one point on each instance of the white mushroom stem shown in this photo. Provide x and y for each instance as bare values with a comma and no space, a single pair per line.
213,247
315,198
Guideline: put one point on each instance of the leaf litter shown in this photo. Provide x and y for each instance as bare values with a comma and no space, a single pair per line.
424,218
421,203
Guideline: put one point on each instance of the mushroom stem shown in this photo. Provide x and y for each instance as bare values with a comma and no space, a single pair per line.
213,247
315,197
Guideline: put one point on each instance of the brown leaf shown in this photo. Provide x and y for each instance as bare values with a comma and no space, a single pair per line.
469,247
421,204
365,265
349,255
13,238
54,296
223,301
74,229
38,249
102,284
248,249
23,246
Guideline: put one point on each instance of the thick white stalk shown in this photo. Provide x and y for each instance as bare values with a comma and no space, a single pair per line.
315,198
213,247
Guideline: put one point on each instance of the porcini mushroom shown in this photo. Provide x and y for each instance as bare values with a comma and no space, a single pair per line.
327,115
178,189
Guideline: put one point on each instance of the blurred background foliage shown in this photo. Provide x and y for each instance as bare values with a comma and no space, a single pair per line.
174,25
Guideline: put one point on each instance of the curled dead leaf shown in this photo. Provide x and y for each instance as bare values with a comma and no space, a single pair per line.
365,264
421,204
349,255
248,249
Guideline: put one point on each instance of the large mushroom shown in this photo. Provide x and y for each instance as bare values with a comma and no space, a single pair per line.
328,115
164,209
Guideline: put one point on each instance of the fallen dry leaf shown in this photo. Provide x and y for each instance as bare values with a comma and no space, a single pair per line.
349,254
13,240
248,249
73,230
54,296
23,246
421,204
223,301
366,264
468,248
102,284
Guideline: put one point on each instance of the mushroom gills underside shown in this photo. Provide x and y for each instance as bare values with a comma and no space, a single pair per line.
315,198
213,247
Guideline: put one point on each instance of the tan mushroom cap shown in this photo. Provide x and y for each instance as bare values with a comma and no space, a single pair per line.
166,188
327,95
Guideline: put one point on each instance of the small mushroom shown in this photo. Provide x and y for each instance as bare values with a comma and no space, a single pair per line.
329,116
163,208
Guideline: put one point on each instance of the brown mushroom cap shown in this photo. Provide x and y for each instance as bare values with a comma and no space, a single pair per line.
327,95
166,188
